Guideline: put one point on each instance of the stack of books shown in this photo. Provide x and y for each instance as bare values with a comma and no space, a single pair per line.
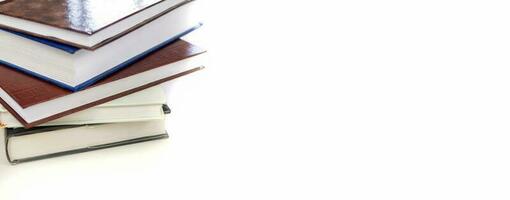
77,76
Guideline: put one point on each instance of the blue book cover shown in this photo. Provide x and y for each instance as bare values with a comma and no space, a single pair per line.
72,50
64,47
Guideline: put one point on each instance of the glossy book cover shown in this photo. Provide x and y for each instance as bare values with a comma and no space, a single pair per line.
82,16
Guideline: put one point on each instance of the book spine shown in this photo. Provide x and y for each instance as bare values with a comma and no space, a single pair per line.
6,146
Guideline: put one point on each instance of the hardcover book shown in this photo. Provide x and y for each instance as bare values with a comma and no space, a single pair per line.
86,24
25,145
140,106
34,102
75,69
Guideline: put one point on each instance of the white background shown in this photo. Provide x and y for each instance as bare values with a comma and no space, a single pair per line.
331,99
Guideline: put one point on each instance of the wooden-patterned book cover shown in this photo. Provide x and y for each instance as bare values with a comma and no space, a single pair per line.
83,16
28,91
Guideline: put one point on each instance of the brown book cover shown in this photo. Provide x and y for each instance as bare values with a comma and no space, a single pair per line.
82,16
28,91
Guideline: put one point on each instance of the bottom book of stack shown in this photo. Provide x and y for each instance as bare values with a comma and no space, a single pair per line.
136,118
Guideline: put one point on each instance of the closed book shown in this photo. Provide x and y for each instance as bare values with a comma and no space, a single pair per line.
140,106
75,69
85,24
25,145
34,102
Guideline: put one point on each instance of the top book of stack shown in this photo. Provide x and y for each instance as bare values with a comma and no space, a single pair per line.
87,24
76,43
